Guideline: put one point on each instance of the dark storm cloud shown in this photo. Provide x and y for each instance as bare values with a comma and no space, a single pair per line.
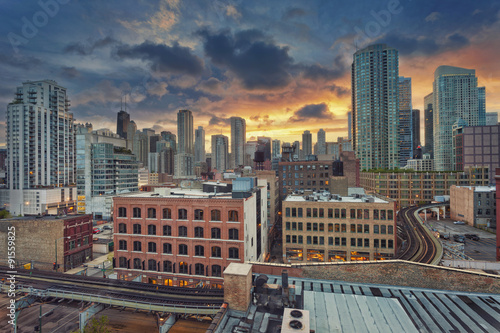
258,63
69,72
293,12
219,121
312,111
20,61
425,46
163,58
319,72
90,46
211,85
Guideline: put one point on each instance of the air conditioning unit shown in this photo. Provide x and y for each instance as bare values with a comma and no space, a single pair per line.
295,320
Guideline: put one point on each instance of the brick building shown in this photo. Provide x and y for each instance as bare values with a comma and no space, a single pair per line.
187,237
475,205
36,240
322,228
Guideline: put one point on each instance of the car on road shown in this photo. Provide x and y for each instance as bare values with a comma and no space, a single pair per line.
459,238
459,222
96,231
473,237
107,227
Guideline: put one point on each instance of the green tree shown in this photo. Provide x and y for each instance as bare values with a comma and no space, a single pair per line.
4,214
96,325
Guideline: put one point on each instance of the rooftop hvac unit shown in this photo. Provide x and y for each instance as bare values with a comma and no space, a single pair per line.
295,320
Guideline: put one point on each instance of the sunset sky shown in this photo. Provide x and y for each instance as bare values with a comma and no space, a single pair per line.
284,66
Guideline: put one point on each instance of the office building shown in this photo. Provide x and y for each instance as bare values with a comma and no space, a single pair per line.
199,145
131,130
321,143
456,96
405,121
238,140
349,125
429,124
220,147
421,164
184,160
491,118
415,132
276,148
326,228
122,122
307,143
375,112
170,138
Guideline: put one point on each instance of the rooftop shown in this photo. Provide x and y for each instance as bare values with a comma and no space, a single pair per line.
480,188
335,198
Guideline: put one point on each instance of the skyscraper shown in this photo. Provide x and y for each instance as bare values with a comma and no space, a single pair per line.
428,124
276,148
415,132
220,145
349,125
321,142
238,140
405,121
122,121
307,143
184,165
375,115
456,97
199,145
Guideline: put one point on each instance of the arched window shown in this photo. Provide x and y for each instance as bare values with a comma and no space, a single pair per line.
182,214
232,216
215,215
152,247
198,232
199,269
198,214
167,248
234,253
122,228
199,251
167,213
151,229
152,265
122,212
167,266
183,231
167,230
151,213
136,228
122,245
183,267
183,249
122,262
137,246
136,212
216,270
215,233
137,263
233,234
216,252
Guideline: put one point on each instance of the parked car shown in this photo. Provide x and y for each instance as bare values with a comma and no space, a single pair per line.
459,222
459,238
107,227
97,231
473,237
444,236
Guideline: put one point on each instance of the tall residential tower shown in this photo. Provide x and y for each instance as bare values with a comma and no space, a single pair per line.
238,140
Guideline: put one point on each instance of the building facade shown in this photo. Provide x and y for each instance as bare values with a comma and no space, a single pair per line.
199,145
429,124
238,140
333,228
307,143
405,121
475,205
220,155
321,142
415,132
122,122
375,112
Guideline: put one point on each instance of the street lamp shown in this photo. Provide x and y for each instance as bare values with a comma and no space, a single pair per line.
66,237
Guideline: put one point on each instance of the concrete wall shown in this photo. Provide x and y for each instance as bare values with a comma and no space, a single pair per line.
462,204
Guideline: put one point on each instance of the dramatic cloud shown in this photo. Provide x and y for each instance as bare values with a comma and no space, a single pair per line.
312,111
212,85
407,45
89,47
216,121
69,72
20,61
293,12
162,58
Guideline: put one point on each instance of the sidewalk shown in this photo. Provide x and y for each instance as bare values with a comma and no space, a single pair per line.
96,262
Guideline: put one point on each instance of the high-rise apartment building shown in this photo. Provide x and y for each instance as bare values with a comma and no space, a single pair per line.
238,140
220,145
276,148
375,115
122,122
184,165
321,150
405,121
40,140
415,131
307,143
349,125
456,97
429,124
199,145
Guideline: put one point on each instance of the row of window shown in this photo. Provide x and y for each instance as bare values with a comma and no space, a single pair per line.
341,227
378,214
182,214
340,241
199,250
182,231
169,267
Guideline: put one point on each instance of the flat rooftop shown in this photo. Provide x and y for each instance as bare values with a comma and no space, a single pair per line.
177,193
336,199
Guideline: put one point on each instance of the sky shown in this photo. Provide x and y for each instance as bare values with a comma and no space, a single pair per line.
284,66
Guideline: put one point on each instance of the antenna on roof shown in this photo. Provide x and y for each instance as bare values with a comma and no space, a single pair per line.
125,103
121,103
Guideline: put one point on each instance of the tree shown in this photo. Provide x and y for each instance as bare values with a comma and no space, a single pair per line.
4,214
96,325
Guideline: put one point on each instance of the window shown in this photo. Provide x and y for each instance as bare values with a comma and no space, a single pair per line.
167,213
383,229
199,251
151,213
122,245
215,233
376,229
330,227
216,270
337,241
287,212
233,234
315,212
321,212
199,269
353,241
215,215
315,227
375,214
137,228
233,216
287,225
122,228
321,227
330,213
343,213
198,214
390,244
182,214
337,213
294,225
152,265
367,214
137,246
300,239
183,231
367,242
167,266
183,249
122,212
287,238
383,243
137,263
167,248
234,253
367,228
136,212
300,212
183,267
359,214
390,229
300,226
360,242
152,247
309,239
167,230
390,215
216,252
337,227
343,227
353,228
198,232
151,229
353,213
309,224
359,228
382,214
122,262
344,241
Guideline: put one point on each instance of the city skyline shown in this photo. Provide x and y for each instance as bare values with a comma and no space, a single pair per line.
164,56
